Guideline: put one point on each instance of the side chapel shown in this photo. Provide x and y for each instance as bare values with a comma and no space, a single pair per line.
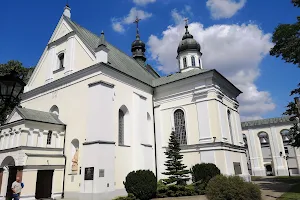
90,114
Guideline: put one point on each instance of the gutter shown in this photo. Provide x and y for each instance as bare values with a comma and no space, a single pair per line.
63,186
155,151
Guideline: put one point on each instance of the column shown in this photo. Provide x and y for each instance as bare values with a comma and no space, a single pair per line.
159,142
1,177
255,153
70,58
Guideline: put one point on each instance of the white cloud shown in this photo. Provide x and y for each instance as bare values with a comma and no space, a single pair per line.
179,17
234,50
224,8
119,23
143,2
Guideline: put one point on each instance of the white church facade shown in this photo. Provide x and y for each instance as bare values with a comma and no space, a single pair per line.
267,147
90,114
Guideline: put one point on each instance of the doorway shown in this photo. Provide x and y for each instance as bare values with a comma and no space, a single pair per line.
44,184
11,178
269,170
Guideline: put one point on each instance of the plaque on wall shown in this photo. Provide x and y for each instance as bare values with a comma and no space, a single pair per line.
89,173
101,173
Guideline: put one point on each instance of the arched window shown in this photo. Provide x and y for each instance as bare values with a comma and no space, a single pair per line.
263,137
49,138
54,109
199,62
286,136
184,62
179,122
121,127
61,58
230,125
193,61
245,140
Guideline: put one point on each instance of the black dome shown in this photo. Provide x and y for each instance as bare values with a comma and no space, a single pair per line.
188,43
137,44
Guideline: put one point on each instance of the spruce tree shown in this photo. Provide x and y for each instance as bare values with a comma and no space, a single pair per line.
175,169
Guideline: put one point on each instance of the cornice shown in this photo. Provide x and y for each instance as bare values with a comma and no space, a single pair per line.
61,39
266,122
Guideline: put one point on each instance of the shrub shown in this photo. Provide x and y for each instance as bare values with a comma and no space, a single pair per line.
176,191
142,184
129,197
231,188
204,172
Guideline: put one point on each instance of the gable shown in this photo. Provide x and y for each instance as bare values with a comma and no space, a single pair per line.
14,116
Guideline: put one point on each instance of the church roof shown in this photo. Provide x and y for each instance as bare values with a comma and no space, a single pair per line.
39,116
178,76
261,122
116,58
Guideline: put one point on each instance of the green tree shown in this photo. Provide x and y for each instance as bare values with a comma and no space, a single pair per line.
175,169
24,74
287,46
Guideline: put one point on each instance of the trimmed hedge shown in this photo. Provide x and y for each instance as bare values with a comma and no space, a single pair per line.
204,172
142,184
231,188
129,197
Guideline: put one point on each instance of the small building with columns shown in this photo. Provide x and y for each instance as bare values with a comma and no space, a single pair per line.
267,147
32,144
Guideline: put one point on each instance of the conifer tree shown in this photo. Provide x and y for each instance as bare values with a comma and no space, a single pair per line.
175,169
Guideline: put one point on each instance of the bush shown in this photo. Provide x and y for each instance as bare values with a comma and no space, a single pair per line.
129,197
203,172
142,184
231,188
175,191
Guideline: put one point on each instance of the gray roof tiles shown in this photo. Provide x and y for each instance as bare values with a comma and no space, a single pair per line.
40,116
261,122
116,58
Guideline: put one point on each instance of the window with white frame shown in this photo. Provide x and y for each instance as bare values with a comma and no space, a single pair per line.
193,61
121,127
179,123
230,125
49,137
184,62
61,59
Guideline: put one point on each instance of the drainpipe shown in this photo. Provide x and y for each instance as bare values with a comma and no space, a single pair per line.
63,186
155,153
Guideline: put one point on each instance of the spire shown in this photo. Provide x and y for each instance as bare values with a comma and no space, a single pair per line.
186,25
67,10
102,40
138,46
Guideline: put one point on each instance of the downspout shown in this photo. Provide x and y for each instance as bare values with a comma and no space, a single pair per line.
155,153
63,186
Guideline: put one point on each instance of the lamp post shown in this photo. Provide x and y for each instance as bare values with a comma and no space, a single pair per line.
11,86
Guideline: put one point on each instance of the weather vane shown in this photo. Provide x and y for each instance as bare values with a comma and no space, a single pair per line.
137,24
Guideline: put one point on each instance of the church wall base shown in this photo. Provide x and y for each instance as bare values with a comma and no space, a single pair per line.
259,172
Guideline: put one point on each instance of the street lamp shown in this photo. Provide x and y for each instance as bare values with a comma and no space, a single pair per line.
286,157
11,86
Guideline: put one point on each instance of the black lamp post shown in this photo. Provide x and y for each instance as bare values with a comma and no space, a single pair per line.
11,86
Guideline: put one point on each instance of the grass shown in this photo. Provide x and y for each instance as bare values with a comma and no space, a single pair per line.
292,194
282,179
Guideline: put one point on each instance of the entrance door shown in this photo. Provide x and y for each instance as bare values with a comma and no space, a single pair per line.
44,184
11,178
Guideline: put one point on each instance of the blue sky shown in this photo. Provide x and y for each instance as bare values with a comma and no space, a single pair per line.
235,38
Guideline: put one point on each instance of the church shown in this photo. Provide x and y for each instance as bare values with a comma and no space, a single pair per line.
90,114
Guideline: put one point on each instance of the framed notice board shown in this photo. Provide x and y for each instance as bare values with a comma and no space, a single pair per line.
89,173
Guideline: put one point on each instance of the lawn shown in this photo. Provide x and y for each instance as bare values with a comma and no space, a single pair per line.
292,194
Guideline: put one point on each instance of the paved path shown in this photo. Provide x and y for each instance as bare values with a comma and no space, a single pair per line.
272,190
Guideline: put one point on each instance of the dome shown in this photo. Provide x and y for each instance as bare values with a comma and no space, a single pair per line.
137,44
188,43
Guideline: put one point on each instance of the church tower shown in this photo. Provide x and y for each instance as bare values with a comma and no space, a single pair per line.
188,52
138,46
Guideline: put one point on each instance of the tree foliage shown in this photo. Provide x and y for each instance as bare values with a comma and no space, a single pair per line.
175,169
287,46
24,74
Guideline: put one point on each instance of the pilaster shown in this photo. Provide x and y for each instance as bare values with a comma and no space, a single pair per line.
70,55
52,64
